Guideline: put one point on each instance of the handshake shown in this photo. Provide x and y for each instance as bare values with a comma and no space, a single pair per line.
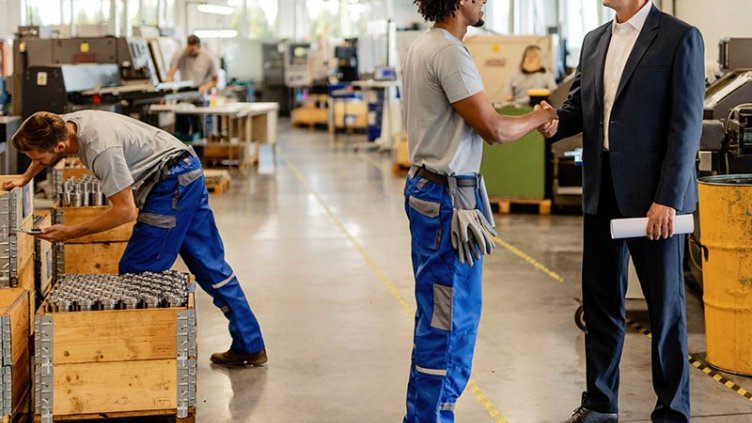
550,128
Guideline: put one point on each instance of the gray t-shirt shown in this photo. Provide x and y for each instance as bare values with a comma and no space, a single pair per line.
121,151
521,83
438,72
200,69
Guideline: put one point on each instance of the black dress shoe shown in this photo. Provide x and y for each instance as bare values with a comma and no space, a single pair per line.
586,415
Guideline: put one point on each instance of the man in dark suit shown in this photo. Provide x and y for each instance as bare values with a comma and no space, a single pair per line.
638,100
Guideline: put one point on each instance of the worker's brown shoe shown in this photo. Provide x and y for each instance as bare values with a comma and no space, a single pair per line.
234,358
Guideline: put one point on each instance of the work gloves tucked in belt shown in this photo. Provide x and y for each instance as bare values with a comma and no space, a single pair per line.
472,235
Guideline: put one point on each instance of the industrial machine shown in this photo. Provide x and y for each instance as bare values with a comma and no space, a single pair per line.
732,89
296,65
735,53
347,60
274,88
66,74
138,84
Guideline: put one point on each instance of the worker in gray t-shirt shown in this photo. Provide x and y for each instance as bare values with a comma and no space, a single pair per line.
194,64
171,206
447,116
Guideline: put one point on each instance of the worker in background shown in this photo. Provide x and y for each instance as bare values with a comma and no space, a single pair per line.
448,115
194,64
530,75
637,97
170,204
318,66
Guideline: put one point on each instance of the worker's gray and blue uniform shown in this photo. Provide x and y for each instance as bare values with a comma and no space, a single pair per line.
438,72
174,214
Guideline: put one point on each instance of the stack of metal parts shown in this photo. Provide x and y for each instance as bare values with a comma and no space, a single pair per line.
119,292
83,192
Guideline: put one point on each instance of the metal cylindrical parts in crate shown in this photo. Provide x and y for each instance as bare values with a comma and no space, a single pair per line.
726,233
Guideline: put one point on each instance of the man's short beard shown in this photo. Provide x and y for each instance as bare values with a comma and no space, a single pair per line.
479,24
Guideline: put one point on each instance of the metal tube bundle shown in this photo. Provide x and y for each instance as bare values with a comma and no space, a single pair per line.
83,192
119,292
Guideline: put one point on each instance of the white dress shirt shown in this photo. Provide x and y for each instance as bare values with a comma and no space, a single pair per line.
623,38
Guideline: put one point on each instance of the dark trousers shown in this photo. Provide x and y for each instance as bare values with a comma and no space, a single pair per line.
604,285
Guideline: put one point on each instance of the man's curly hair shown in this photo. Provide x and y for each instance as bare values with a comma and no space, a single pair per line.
437,10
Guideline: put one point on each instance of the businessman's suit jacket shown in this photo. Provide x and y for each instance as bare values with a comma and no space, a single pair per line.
656,120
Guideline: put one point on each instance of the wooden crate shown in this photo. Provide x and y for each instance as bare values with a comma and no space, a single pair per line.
77,215
401,155
44,269
356,112
242,155
505,204
97,253
309,116
15,377
217,180
116,363
16,248
94,257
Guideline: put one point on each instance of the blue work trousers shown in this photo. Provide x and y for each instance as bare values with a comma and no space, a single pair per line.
448,297
176,219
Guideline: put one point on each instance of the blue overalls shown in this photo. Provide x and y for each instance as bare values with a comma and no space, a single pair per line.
448,297
176,219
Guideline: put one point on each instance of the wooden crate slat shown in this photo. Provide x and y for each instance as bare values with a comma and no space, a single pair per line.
118,335
78,215
95,257
114,387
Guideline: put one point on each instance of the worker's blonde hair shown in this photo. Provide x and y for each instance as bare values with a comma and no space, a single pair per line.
40,131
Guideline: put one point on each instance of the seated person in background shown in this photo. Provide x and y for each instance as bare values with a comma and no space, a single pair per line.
531,75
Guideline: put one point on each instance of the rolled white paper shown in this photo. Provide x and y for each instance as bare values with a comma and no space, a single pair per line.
637,227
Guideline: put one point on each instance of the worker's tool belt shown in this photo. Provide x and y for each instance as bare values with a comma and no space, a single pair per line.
161,174
439,178
463,190
164,170
472,227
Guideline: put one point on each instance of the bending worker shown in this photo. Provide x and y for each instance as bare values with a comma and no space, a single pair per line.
448,115
171,205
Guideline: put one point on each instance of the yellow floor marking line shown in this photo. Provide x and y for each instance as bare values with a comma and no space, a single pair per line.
473,387
504,244
697,363
521,254
371,161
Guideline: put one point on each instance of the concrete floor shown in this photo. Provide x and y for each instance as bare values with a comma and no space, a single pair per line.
320,243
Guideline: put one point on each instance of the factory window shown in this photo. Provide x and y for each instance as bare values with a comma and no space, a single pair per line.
324,15
259,19
44,13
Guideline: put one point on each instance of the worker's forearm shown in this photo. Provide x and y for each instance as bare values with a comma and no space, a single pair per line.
512,128
209,85
32,171
109,220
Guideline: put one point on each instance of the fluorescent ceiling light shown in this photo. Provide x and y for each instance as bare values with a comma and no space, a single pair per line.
216,33
215,9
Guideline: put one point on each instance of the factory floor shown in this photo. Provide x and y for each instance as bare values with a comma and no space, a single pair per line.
319,240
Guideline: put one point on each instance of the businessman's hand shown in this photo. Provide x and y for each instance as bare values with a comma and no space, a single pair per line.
660,222
549,129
